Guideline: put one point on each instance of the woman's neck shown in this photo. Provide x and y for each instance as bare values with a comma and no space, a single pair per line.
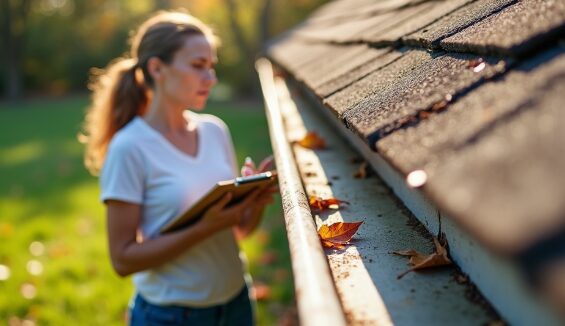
165,117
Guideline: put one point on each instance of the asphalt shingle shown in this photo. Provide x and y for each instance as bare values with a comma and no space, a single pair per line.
335,62
422,145
465,16
379,58
382,33
510,197
346,31
377,81
514,31
429,86
293,53
425,15
337,11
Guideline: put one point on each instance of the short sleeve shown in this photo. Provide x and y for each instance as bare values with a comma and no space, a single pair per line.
230,150
225,137
122,175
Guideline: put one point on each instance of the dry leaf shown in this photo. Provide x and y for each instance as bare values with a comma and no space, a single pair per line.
312,141
332,245
319,204
361,173
337,235
422,261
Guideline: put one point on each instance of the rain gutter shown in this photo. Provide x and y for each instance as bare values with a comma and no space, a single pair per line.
316,297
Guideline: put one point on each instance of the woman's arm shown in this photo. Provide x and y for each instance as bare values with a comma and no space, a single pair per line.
128,255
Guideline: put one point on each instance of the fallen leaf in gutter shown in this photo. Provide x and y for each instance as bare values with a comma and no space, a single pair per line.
421,261
312,141
337,235
361,173
319,204
332,245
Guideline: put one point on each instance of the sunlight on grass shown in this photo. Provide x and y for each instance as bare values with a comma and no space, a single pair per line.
21,153
13,209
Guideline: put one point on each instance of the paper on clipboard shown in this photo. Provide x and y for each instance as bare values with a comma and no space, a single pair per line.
239,187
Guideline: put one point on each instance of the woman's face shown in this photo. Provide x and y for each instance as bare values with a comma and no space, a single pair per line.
188,79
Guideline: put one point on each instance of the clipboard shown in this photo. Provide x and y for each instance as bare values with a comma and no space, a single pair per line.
239,187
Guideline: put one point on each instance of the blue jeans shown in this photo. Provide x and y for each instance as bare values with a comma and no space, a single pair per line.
236,312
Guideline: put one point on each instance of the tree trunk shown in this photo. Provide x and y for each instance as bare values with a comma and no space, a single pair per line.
264,23
13,37
243,45
12,84
245,48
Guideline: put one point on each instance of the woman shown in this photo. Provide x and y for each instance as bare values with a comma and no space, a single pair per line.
155,160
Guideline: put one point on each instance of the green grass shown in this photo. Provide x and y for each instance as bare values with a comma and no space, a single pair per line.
47,197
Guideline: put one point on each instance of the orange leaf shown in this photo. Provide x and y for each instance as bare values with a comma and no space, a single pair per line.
422,261
329,244
338,234
317,203
361,173
408,253
312,141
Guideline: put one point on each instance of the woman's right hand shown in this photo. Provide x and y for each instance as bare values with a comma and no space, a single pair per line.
220,216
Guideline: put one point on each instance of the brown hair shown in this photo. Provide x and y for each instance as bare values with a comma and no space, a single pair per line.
121,91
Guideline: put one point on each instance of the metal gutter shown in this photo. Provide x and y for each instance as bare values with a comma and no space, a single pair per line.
316,297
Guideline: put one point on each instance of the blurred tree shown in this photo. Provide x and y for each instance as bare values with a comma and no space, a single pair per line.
264,27
64,39
245,47
69,37
14,16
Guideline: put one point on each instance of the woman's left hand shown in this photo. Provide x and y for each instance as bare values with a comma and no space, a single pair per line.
267,197
252,215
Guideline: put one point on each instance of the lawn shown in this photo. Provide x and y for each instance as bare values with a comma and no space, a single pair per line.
54,266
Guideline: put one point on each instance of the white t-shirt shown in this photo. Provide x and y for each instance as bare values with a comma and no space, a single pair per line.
143,167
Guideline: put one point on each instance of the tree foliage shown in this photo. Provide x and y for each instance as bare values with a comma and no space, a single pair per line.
61,40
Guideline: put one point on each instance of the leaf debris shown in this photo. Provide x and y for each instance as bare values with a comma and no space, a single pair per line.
312,141
319,204
421,261
337,235
361,172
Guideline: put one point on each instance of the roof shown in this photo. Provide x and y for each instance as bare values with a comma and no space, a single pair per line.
468,91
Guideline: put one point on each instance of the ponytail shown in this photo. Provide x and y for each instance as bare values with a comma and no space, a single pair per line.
119,95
